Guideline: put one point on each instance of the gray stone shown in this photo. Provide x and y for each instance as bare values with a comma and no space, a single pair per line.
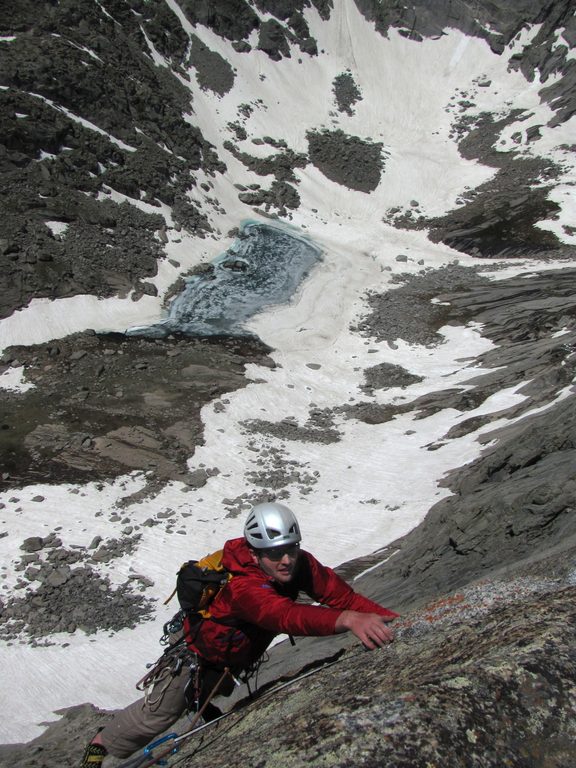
58,577
197,478
32,544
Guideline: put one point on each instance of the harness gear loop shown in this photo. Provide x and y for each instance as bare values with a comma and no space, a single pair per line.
168,666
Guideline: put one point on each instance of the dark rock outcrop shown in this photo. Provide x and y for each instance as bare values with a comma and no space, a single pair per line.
500,219
213,72
346,92
519,497
84,110
106,404
348,160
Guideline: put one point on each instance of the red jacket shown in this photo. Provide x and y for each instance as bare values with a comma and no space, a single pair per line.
252,608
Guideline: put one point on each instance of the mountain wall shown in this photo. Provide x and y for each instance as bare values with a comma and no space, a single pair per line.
97,112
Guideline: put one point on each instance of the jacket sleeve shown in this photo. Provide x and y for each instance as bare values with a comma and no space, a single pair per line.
259,603
328,588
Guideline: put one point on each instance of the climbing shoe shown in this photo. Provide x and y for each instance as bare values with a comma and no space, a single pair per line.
94,755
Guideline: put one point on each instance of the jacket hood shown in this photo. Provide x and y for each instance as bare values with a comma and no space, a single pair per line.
237,558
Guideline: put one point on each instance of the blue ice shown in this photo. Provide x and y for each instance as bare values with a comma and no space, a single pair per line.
263,267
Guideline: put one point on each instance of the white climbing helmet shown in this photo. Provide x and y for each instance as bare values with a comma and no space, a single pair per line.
271,525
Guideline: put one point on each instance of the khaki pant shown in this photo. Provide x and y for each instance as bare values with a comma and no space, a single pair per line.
144,720
141,722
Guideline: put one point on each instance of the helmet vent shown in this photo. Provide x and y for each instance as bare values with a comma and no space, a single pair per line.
273,533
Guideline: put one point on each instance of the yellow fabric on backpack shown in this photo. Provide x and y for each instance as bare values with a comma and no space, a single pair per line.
213,561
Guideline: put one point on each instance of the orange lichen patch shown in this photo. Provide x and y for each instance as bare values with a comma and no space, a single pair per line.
446,601
472,602
438,609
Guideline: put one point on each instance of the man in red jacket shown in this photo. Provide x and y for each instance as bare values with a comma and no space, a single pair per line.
269,571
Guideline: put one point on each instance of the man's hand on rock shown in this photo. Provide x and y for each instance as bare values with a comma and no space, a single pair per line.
369,628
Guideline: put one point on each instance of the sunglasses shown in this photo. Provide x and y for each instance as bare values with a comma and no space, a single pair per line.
277,553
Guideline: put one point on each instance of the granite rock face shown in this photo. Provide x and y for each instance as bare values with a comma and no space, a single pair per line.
496,691
518,498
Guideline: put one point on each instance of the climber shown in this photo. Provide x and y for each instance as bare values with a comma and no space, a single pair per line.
268,571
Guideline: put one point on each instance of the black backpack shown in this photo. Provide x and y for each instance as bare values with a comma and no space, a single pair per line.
198,582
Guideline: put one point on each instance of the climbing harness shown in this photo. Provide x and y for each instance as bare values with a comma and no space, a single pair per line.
161,673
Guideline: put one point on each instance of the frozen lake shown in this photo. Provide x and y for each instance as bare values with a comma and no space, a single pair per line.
264,266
